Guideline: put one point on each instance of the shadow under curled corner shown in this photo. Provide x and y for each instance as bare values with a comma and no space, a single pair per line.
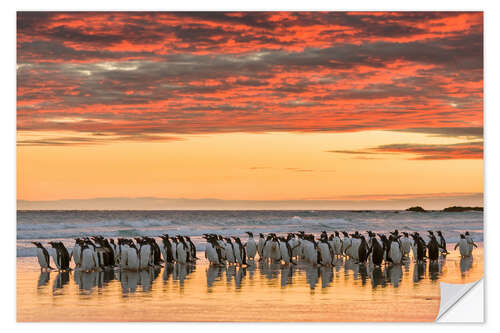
461,302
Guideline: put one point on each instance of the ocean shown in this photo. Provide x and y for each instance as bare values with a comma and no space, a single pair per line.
45,226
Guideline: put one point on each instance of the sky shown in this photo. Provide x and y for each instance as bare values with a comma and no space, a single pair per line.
249,110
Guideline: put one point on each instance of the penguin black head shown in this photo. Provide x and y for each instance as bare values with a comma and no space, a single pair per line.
261,235
462,236
405,233
250,234
466,233
439,233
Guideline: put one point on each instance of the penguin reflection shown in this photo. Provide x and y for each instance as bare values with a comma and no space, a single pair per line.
363,273
287,272
377,278
129,281
214,273
167,272
393,274
434,270
465,264
43,279
418,271
238,278
181,272
86,280
326,276
312,276
61,280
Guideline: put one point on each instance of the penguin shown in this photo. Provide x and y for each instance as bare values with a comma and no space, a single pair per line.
62,257
250,246
395,250
294,243
377,251
260,246
471,243
87,259
355,242
182,250
420,247
324,251
240,252
211,252
363,250
405,245
192,249
168,256
43,256
286,251
76,252
222,245
145,254
230,254
337,244
133,257
347,245
266,248
463,245
386,246
275,249
442,243
433,248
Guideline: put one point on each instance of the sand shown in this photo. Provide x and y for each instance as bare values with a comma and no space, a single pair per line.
257,293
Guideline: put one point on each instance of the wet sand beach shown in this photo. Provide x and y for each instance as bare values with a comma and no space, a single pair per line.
262,292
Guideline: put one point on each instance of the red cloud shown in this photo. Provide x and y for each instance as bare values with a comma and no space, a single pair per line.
164,73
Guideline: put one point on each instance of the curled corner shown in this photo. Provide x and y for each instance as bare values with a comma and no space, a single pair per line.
452,294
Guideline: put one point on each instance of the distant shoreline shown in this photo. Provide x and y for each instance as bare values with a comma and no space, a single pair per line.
245,210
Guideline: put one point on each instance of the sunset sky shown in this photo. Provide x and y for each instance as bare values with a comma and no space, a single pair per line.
152,110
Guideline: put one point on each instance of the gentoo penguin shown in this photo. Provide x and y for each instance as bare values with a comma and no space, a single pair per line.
87,259
355,242
155,252
266,248
463,245
144,253
363,250
405,245
192,249
294,244
230,254
62,257
275,249
43,256
347,245
133,257
337,244
211,252
377,251
395,250
386,246
250,246
239,252
471,243
442,243
324,251
76,252
168,256
182,250
260,246
420,246
433,248
286,251
220,241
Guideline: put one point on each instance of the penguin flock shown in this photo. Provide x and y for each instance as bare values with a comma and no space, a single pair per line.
98,253
376,249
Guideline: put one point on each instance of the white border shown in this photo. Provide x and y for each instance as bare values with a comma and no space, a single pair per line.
8,166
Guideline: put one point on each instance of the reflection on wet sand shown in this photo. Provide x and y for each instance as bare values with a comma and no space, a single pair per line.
324,276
